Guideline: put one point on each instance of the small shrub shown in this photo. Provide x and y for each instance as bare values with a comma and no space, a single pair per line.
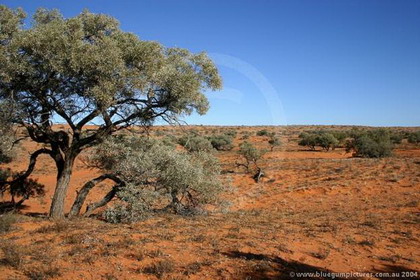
414,137
232,133
326,141
371,144
308,140
263,132
13,254
323,139
41,272
396,137
195,143
133,211
341,137
152,174
274,142
250,154
221,142
6,222
57,226
160,268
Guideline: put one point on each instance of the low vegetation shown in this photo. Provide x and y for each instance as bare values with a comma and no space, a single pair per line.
322,139
222,142
371,144
150,175
250,156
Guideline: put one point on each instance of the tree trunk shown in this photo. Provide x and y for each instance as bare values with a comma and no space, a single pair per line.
84,191
108,197
63,180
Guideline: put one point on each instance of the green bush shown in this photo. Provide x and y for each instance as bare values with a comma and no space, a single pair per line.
341,137
323,139
156,175
250,154
326,141
6,222
371,144
221,142
263,132
274,142
308,140
396,137
195,143
232,133
414,137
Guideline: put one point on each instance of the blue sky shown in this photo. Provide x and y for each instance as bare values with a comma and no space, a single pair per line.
287,62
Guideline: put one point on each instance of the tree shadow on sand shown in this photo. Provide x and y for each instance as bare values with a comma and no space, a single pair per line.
260,266
7,206
266,267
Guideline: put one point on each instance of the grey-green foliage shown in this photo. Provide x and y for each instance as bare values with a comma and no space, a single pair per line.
308,139
250,154
414,137
274,142
327,141
11,182
7,135
88,58
86,68
372,144
323,139
156,175
222,142
263,132
195,143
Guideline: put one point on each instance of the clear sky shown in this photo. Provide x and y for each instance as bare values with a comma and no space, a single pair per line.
287,62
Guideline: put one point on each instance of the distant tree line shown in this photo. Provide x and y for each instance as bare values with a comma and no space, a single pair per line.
372,143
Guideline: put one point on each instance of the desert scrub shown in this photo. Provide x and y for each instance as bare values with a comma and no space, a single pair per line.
222,142
250,155
263,132
195,143
7,221
320,138
160,268
155,174
370,144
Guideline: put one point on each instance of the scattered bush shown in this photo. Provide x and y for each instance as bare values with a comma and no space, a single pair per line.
323,139
263,132
13,254
326,141
6,222
232,133
160,268
195,143
341,137
372,144
221,142
308,140
396,137
414,137
250,154
274,142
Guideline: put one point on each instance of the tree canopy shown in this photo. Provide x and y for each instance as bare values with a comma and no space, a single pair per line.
86,69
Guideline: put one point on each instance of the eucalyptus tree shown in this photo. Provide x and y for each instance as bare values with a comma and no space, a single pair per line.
85,69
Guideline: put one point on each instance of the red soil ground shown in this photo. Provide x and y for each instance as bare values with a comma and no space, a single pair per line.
314,211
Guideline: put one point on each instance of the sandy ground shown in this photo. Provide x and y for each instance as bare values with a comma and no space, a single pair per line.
314,212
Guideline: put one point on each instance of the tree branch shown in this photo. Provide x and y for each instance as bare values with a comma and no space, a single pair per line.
84,191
